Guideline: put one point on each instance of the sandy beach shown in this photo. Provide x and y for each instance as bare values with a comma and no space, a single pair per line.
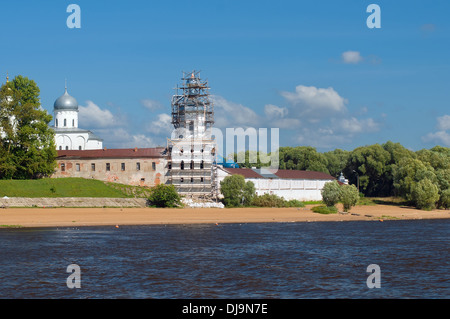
54,217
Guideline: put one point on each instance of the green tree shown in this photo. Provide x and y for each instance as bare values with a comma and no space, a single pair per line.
370,164
337,161
444,199
349,196
302,158
331,193
27,148
164,196
425,194
236,191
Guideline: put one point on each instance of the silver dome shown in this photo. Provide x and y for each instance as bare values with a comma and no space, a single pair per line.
66,102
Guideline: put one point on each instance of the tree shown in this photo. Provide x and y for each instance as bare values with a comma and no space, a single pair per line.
164,196
337,160
27,147
444,199
331,193
425,194
236,191
371,165
349,196
302,158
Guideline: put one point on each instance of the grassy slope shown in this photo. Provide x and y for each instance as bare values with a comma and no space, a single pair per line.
65,187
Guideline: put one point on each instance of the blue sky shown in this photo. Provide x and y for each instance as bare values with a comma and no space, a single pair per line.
311,68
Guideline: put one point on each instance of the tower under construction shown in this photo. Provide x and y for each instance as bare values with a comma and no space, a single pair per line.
192,149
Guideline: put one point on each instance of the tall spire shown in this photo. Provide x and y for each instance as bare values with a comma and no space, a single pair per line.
7,77
65,85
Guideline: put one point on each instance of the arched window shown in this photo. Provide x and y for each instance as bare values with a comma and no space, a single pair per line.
56,122
73,123
65,122
192,165
201,165
67,148
182,165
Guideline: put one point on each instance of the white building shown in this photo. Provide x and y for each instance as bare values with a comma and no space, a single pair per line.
67,134
290,184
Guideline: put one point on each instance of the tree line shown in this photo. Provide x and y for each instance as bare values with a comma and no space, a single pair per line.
421,177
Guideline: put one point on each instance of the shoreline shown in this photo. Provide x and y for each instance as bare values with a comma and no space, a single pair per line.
70,217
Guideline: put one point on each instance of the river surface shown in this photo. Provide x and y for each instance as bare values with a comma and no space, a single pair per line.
262,260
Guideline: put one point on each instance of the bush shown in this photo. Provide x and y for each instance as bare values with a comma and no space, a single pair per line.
236,191
294,203
324,209
331,193
164,196
425,194
349,196
445,198
268,200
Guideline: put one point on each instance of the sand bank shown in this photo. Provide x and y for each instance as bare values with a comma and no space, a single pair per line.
54,217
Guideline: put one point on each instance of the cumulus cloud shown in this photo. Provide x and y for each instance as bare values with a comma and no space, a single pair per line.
93,116
163,125
444,122
273,111
231,114
353,125
151,105
310,100
351,57
442,135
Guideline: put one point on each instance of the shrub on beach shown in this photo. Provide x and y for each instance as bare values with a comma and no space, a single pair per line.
425,194
322,209
164,196
349,196
331,193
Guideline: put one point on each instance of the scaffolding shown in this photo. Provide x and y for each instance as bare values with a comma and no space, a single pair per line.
192,150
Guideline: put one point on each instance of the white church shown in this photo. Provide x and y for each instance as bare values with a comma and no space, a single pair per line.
67,134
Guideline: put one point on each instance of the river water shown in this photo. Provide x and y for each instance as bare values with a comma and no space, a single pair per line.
262,260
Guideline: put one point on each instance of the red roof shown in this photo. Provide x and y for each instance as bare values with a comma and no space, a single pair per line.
246,172
112,153
281,173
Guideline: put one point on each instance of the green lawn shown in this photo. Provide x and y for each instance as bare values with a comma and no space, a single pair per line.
67,187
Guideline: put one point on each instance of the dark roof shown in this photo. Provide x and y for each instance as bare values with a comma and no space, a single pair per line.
112,153
281,173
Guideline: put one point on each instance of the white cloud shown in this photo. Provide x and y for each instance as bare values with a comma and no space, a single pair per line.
152,105
438,137
319,102
273,111
443,134
231,114
351,57
162,125
92,116
444,122
353,125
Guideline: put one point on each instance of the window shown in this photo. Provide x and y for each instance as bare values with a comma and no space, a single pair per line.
192,179
181,180
67,148
201,179
182,165
122,166
60,147
192,165
93,167
201,165
73,123
63,167
153,166
77,166
56,122
108,167
79,147
65,122
138,166
169,165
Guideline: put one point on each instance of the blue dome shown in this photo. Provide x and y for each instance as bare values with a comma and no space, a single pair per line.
66,102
